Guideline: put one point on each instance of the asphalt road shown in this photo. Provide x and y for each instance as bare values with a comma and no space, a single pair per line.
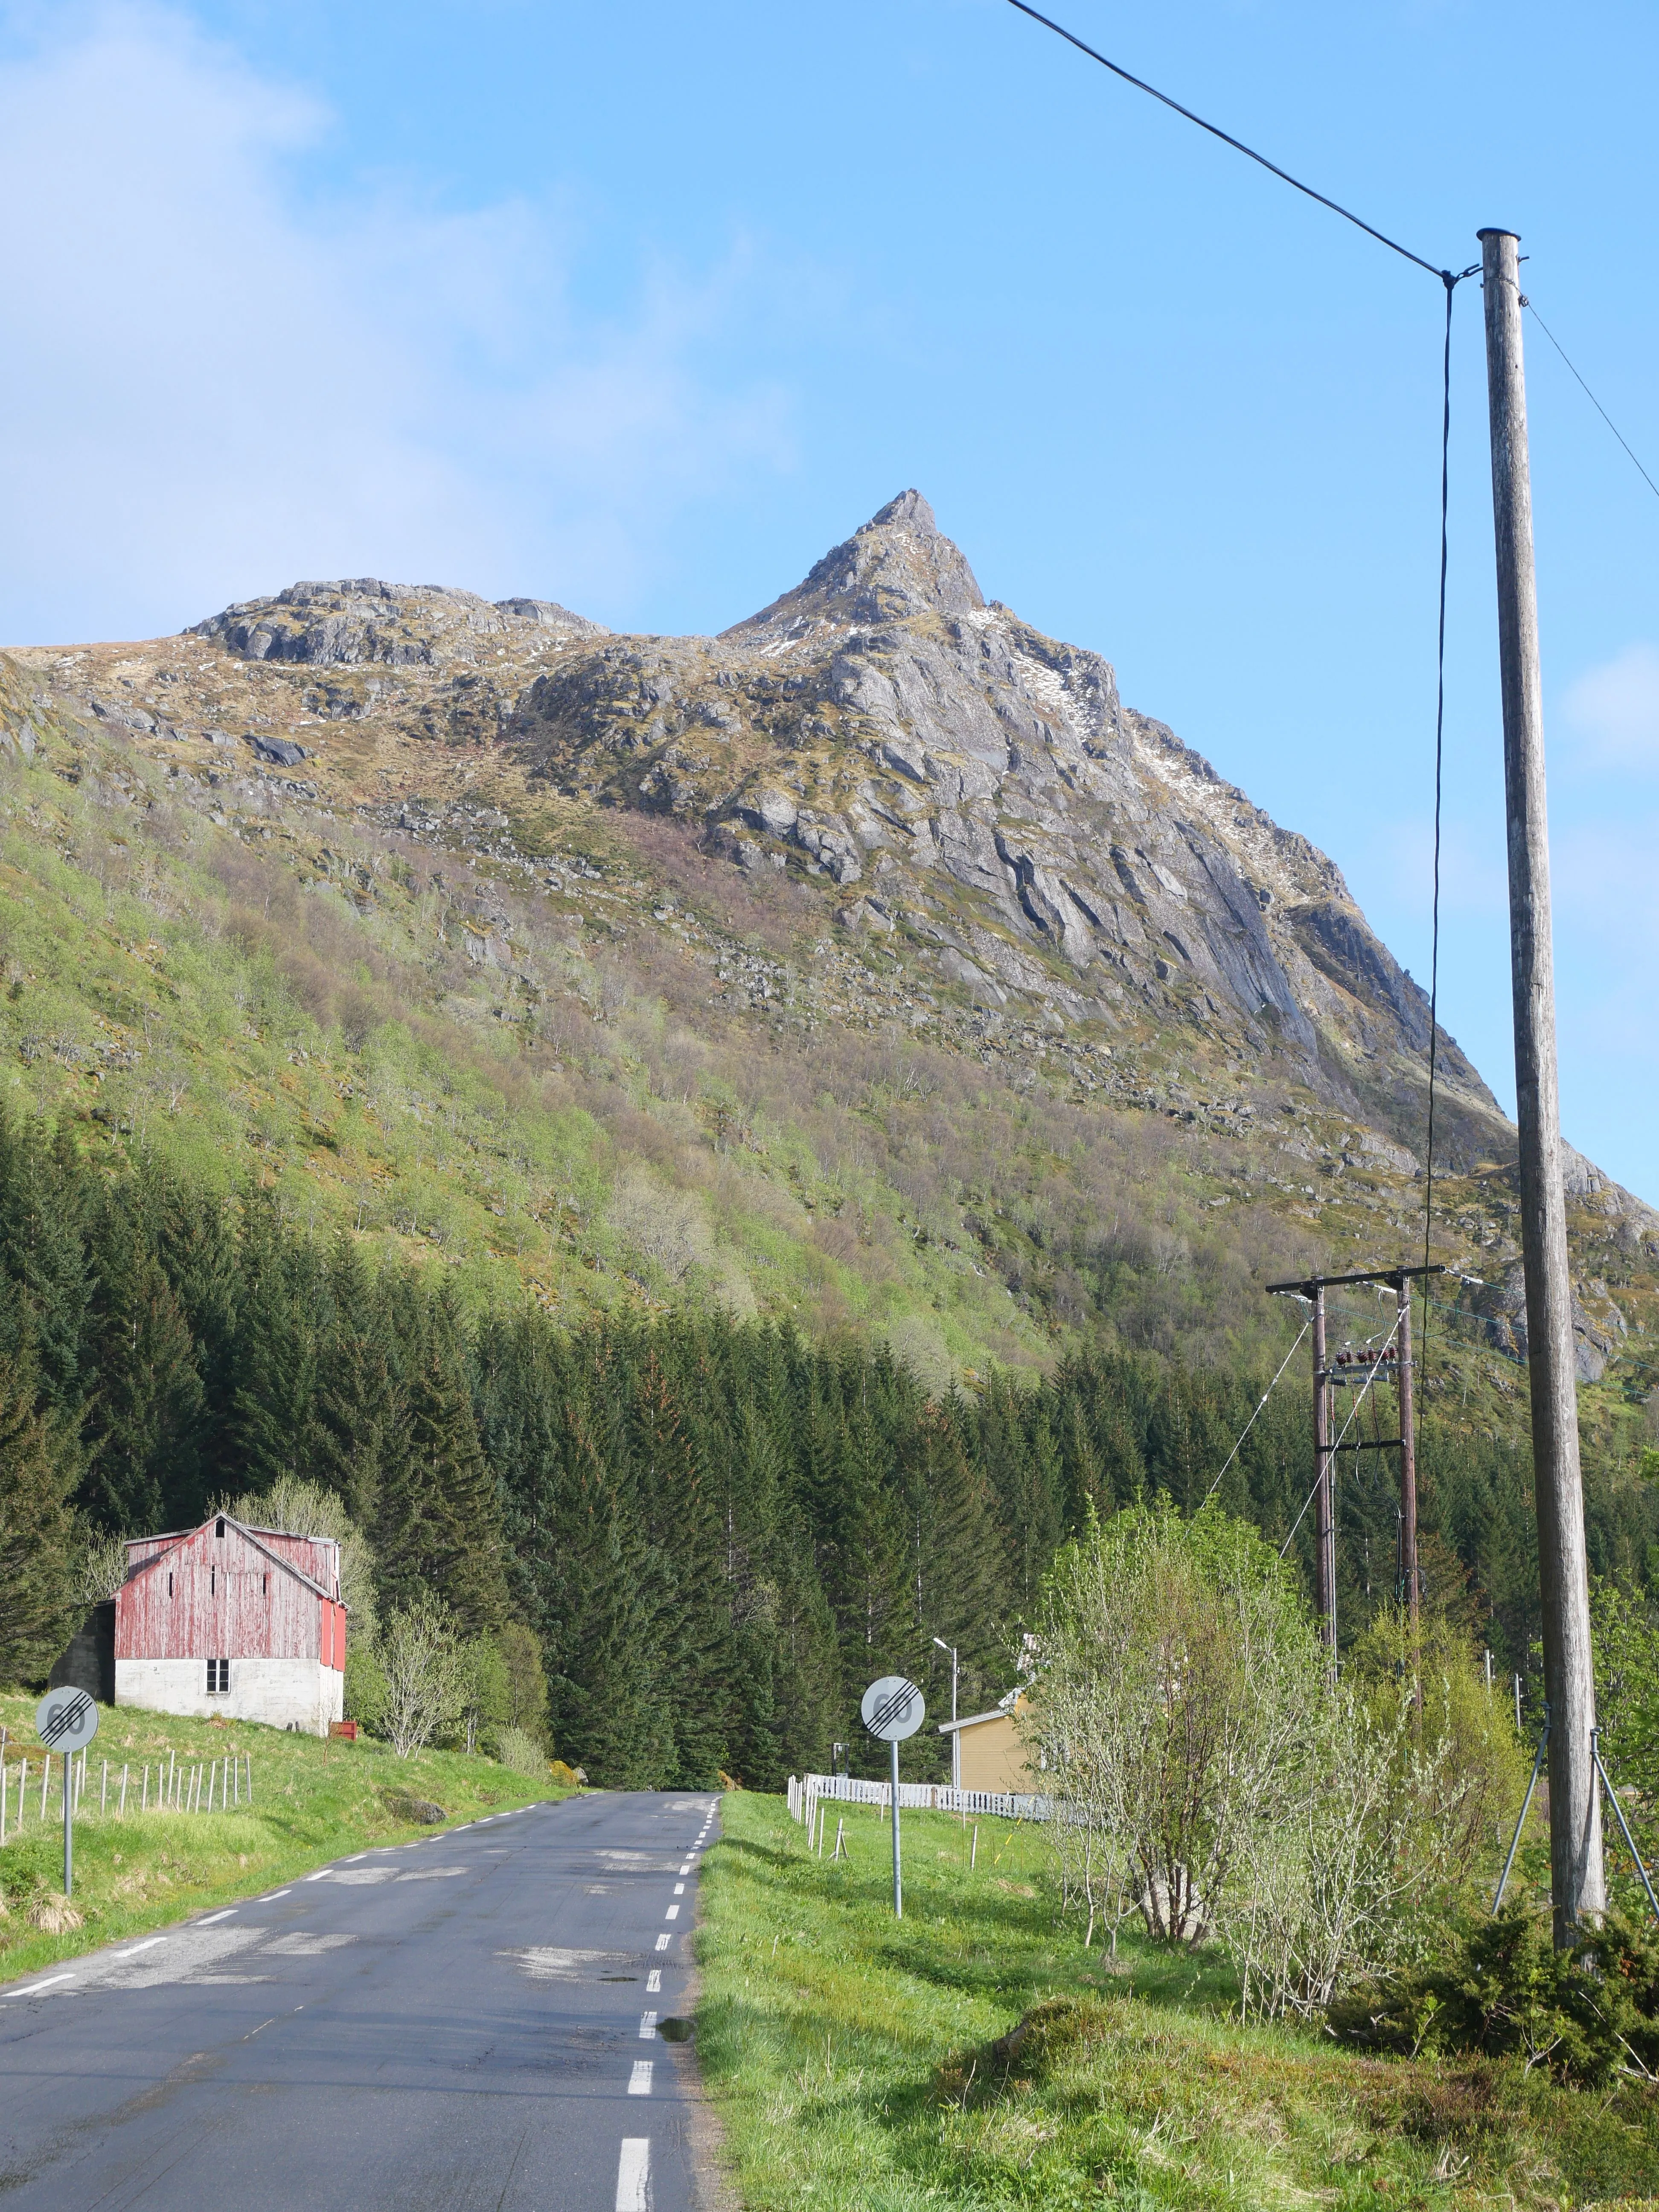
468,2023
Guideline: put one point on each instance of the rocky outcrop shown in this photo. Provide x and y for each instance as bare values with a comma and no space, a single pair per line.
362,620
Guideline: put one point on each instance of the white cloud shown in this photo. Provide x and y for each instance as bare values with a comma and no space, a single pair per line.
211,383
1614,709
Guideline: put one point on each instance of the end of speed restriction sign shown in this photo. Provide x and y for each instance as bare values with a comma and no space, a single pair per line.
892,1708
66,1720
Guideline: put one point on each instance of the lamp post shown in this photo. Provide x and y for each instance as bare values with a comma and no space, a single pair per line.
956,1739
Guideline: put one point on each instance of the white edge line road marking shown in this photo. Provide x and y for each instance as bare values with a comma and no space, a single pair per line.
648,2025
662,1943
653,1981
679,1889
149,1944
212,1917
634,2175
272,1896
321,1875
639,2081
51,1982
672,1913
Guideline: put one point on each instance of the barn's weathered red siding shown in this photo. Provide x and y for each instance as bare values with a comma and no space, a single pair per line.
205,1595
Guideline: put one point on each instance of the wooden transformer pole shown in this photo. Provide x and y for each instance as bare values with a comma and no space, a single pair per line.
1577,1877
1324,1495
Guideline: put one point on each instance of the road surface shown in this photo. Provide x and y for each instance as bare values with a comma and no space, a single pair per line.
467,2023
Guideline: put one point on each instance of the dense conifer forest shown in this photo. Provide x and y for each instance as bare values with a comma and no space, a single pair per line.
718,1530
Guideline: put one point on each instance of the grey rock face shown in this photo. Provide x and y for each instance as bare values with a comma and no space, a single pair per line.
883,716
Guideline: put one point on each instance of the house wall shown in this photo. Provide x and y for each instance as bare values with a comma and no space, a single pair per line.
280,1693
993,1756
209,1596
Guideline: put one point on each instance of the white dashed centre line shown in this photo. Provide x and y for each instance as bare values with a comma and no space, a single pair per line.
634,2175
149,1944
212,1917
639,2081
679,1889
51,1982
672,1913
273,1896
648,2025
662,1943
653,1981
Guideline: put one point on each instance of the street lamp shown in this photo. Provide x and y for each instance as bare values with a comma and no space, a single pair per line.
956,1739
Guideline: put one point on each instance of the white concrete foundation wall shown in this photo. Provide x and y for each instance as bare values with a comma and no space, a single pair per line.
279,1693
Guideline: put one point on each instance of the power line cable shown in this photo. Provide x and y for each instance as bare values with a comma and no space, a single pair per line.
1251,1423
1450,281
1589,394
1227,139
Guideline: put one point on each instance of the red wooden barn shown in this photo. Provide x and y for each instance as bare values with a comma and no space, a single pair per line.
225,1619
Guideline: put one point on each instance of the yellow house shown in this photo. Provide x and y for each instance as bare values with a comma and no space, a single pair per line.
986,1753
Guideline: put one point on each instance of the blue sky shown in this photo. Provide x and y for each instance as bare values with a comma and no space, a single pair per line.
641,307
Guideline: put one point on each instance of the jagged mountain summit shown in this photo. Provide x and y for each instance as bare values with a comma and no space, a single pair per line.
958,774
976,843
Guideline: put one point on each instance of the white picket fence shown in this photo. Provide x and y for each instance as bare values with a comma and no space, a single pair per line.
806,1791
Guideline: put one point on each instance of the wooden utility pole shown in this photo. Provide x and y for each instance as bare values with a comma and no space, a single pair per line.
1313,1289
1324,1516
1409,1574
1577,1878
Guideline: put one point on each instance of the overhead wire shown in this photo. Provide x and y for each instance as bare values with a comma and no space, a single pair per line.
1450,281
1589,395
1250,1423
1227,138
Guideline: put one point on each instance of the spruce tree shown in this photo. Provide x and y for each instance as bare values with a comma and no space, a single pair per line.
37,1606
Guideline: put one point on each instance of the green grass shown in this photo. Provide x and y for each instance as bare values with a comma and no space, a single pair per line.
851,2056
313,1801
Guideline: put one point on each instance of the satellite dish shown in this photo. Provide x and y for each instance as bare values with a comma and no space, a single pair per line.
66,1720
892,1708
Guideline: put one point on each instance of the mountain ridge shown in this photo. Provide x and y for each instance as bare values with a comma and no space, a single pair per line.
938,823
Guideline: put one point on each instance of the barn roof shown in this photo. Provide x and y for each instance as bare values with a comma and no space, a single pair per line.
176,1536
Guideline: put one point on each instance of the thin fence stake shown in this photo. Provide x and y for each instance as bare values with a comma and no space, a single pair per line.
973,1855
103,1786
122,1812
45,1784
144,1807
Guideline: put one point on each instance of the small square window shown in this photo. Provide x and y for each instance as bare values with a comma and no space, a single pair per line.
218,1671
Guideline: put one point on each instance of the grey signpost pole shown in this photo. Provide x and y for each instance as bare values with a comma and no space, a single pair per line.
66,1721
898,1870
1577,1878
892,1709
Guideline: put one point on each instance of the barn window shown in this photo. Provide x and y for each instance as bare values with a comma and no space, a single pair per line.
213,1582
267,1579
218,1678
220,1531
169,1582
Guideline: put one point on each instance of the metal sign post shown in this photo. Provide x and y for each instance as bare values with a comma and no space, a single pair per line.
66,1721
892,1709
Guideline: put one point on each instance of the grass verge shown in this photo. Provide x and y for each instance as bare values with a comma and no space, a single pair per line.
311,1801
852,2059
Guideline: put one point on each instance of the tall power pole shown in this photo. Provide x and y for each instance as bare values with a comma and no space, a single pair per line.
1324,1499
1577,1878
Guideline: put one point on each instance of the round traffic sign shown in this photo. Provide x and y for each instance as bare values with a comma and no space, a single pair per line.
892,1708
66,1720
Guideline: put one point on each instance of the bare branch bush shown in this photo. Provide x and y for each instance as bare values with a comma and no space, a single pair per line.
1178,1669
426,1673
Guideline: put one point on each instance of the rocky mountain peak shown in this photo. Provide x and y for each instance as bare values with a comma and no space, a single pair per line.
900,564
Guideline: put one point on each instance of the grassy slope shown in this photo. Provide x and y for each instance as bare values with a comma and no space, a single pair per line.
620,1117
313,1801
850,2057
